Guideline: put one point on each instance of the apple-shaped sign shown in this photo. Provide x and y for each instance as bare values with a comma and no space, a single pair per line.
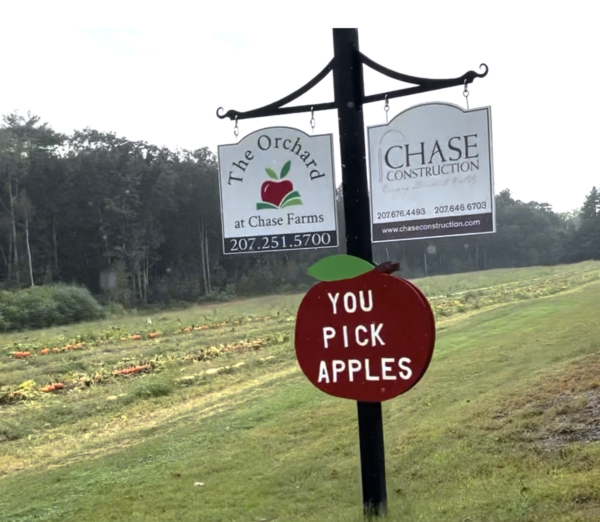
277,192
362,334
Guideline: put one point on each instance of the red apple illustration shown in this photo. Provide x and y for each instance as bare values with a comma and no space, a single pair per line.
277,192
274,191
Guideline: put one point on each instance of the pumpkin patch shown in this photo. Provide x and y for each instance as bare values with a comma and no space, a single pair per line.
133,369
68,381
52,387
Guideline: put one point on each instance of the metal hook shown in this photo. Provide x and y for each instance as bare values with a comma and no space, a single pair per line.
386,108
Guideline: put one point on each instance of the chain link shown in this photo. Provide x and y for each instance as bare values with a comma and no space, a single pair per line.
466,94
386,108
236,129
312,119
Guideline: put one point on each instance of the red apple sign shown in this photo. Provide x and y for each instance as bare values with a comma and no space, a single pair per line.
362,334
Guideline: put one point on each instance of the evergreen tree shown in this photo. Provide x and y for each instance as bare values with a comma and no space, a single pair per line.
591,206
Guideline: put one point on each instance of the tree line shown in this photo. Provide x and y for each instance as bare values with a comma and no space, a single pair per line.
140,224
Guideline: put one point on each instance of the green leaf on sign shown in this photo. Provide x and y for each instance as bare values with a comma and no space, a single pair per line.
291,195
263,206
337,267
285,170
292,202
271,173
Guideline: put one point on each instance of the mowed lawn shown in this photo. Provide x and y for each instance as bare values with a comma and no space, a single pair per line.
505,425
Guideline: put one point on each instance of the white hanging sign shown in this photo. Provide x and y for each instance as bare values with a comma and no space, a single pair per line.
431,173
278,192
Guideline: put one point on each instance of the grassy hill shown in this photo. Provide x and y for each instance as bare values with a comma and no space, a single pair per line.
503,427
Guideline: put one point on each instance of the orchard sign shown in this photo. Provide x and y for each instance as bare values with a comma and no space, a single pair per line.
362,334
277,192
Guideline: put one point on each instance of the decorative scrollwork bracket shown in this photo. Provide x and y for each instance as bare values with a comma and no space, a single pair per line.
419,85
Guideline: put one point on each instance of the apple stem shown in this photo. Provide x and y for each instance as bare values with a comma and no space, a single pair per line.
388,267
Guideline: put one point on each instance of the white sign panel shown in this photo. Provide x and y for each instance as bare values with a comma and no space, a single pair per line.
278,192
431,174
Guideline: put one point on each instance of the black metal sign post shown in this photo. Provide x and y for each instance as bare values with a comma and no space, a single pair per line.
348,88
349,98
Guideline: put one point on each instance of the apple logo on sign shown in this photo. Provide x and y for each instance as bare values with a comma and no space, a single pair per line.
277,192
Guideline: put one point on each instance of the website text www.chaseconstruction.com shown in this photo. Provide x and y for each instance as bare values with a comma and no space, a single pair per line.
434,227
431,226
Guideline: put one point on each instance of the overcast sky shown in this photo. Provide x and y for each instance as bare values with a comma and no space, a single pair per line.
160,74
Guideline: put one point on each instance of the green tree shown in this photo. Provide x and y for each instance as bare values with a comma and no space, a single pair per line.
591,205
25,146
584,243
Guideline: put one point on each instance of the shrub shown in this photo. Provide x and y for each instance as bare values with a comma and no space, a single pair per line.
115,309
43,306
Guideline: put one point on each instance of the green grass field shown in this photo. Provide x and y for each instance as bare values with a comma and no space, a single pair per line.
505,425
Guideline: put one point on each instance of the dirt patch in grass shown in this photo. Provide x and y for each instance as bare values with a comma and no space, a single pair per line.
579,422
561,410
